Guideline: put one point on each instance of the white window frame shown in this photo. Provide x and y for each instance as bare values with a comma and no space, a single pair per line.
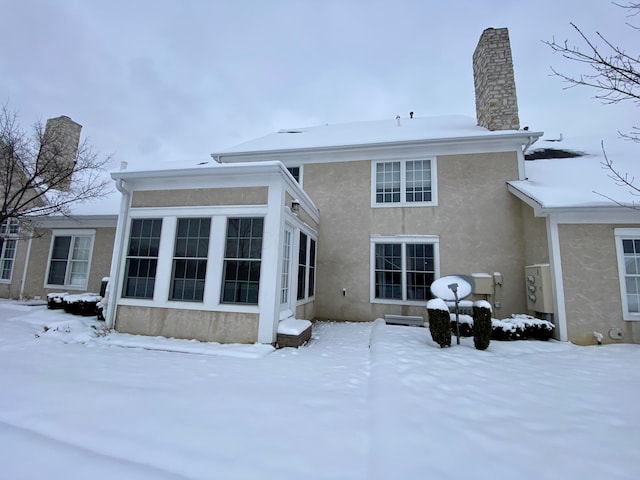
300,174
285,272
620,235
403,240
9,230
307,270
403,183
73,234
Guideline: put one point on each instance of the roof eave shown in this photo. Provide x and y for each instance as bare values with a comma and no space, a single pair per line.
521,137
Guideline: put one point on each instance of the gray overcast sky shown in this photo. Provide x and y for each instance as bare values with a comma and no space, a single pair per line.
161,80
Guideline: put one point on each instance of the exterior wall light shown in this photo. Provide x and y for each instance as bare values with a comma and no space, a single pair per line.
295,206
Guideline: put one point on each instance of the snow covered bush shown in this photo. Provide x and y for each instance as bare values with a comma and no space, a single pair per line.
481,324
522,327
466,324
439,322
55,300
81,304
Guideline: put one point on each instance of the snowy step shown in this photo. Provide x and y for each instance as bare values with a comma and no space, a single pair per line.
293,333
412,321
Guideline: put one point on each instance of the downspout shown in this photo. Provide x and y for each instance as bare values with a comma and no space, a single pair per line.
521,160
531,141
118,248
557,283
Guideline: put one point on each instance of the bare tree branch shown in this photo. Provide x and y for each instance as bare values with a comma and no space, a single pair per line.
610,70
40,175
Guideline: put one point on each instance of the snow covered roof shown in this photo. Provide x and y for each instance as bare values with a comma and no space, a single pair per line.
367,133
580,181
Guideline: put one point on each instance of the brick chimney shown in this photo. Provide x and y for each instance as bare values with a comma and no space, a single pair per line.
58,150
495,86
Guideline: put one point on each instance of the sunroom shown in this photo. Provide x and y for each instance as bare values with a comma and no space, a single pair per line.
214,253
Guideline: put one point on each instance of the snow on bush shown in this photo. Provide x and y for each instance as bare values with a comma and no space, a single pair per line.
437,304
522,327
518,327
481,325
439,324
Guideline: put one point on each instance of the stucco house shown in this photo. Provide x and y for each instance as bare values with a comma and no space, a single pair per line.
353,221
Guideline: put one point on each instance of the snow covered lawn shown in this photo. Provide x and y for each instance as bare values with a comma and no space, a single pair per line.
361,401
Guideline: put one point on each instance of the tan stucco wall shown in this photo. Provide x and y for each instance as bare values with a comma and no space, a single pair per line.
100,263
477,220
306,310
591,284
536,246
302,214
207,326
200,197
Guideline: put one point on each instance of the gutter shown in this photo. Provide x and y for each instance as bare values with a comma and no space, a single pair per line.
389,144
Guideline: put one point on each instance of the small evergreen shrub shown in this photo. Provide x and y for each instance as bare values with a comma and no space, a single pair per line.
482,325
466,324
439,322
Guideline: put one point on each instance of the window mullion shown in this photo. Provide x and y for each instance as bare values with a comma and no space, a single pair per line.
67,274
403,185
403,251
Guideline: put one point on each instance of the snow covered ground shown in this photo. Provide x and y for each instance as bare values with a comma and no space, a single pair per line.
361,401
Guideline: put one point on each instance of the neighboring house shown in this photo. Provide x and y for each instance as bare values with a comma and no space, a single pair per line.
586,226
56,253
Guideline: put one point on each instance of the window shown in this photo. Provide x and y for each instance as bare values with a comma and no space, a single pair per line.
242,259
190,259
306,267
403,268
312,268
302,265
69,260
296,172
9,226
9,229
403,182
286,265
142,258
628,250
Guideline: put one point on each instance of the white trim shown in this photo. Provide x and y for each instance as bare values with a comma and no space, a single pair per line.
74,234
484,143
557,283
403,240
25,268
625,234
403,183
600,214
198,211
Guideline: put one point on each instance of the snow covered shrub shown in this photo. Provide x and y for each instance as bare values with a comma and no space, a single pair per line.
481,324
56,300
466,324
439,322
522,327
81,304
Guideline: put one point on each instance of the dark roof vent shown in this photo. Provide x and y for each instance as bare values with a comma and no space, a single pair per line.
549,153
